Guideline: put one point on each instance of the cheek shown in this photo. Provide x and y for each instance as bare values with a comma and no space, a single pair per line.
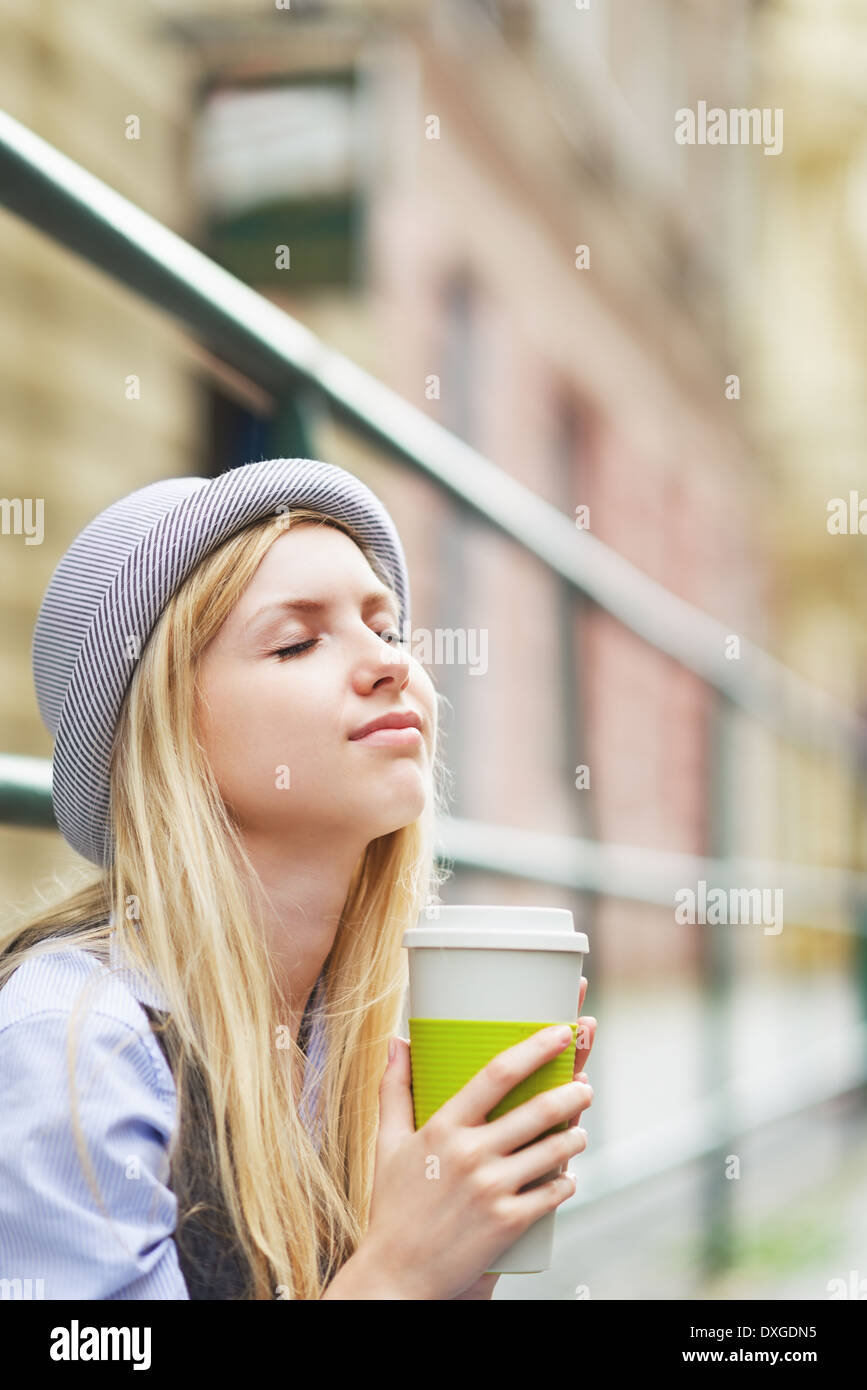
237,718
251,738
254,723
222,736
423,694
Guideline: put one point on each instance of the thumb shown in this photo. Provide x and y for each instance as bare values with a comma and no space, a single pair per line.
396,1116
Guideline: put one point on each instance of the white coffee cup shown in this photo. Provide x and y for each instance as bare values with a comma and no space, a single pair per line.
508,964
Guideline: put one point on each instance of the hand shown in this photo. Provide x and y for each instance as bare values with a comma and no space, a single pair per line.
484,1287
584,1042
434,1232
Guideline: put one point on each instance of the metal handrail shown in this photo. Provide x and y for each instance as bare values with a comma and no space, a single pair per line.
746,1106
25,791
652,876
607,870
252,334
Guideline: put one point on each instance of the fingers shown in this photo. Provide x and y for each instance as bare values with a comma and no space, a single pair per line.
482,1093
586,1030
584,1039
547,1157
395,1095
545,1197
532,1118
576,1118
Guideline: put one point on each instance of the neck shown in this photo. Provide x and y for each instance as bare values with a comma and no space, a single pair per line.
302,888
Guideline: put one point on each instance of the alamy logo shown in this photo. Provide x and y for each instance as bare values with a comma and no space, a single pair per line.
444,646
102,1344
736,127
847,521
14,522
22,1288
732,905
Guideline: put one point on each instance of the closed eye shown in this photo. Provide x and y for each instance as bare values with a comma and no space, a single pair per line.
286,653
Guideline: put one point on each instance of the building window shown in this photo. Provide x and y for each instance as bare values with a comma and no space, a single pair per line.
277,163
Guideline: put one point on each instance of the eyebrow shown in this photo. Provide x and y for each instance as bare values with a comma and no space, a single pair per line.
274,611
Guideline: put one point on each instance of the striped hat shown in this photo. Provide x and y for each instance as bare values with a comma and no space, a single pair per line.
109,589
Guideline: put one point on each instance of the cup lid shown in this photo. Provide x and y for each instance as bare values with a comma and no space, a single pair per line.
493,915
473,926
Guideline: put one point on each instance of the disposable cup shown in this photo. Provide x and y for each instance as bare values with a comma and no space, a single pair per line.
480,980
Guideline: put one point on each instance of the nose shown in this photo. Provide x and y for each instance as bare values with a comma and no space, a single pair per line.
385,660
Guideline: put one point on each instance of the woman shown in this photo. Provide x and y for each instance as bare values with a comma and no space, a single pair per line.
225,1123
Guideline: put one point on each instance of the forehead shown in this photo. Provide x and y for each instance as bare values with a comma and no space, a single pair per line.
312,562
307,553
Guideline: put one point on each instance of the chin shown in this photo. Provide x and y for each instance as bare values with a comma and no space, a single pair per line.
395,818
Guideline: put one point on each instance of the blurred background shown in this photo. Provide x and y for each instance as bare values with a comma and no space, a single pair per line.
609,385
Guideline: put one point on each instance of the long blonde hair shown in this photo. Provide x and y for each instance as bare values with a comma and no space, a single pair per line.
179,896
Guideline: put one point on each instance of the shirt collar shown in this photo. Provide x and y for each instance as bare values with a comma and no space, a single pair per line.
147,991
145,987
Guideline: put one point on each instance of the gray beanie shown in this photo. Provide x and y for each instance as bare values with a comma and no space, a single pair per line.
109,589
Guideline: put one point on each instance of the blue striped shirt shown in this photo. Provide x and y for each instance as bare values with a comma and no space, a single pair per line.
53,1231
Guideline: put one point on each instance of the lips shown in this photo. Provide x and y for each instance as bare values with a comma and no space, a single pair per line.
397,719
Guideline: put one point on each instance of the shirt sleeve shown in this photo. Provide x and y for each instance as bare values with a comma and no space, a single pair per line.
52,1226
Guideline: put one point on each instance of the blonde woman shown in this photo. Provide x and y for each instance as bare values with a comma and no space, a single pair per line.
198,1100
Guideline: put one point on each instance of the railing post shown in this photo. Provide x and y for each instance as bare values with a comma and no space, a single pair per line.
859,905
717,973
291,429
25,792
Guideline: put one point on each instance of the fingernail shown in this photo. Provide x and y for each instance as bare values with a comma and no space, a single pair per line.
391,1049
